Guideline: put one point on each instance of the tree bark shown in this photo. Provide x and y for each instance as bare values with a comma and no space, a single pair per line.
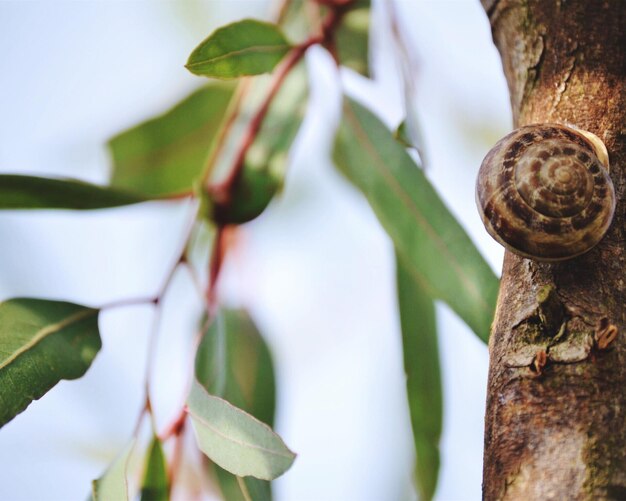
559,431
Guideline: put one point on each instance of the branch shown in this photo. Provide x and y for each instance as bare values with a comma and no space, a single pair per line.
559,431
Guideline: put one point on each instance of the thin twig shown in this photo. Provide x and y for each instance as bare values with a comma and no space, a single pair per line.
197,285
215,266
124,303
222,192
177,455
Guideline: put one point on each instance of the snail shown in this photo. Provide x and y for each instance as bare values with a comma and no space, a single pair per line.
544,192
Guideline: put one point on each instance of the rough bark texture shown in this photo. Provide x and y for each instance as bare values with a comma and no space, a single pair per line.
556,405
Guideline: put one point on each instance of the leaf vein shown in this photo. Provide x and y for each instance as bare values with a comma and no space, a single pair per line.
408,202
45,332
244,51
237,441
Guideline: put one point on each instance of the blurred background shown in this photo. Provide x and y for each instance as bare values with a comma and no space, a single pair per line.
316,269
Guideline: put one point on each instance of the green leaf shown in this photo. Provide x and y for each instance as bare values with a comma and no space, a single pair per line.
242,488
234,439
252,193
199,245
155,485
409,135
294,21
401,134
265,163
165,155
42,342
421,364
113,485
234,362
31,192
433,245
247,47
352,38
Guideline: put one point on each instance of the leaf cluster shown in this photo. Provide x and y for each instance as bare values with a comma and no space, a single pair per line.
227,144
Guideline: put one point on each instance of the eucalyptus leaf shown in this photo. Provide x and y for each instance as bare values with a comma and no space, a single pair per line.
433,245
352,38
294,21
113,485
265,162
235,488
155,484
234,439
234,362
199,245
42,342
423,382
32,192
247,47
165,155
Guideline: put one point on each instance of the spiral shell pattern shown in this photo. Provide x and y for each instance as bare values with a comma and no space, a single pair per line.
544,192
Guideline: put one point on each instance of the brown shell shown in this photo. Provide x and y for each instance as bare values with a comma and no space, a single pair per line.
544,193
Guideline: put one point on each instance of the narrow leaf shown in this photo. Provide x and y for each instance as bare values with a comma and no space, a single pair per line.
352,38
247,47
421,364
234,362
155,485
113,485
433,245
198,250
234,439
265,163
42,342
31,192
165,155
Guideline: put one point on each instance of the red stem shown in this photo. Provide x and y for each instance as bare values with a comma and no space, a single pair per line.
177,455
242,88
215,266
222,191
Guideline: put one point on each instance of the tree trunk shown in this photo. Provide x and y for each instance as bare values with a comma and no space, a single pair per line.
559,431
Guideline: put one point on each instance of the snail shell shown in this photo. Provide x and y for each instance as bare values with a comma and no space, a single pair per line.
544,192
